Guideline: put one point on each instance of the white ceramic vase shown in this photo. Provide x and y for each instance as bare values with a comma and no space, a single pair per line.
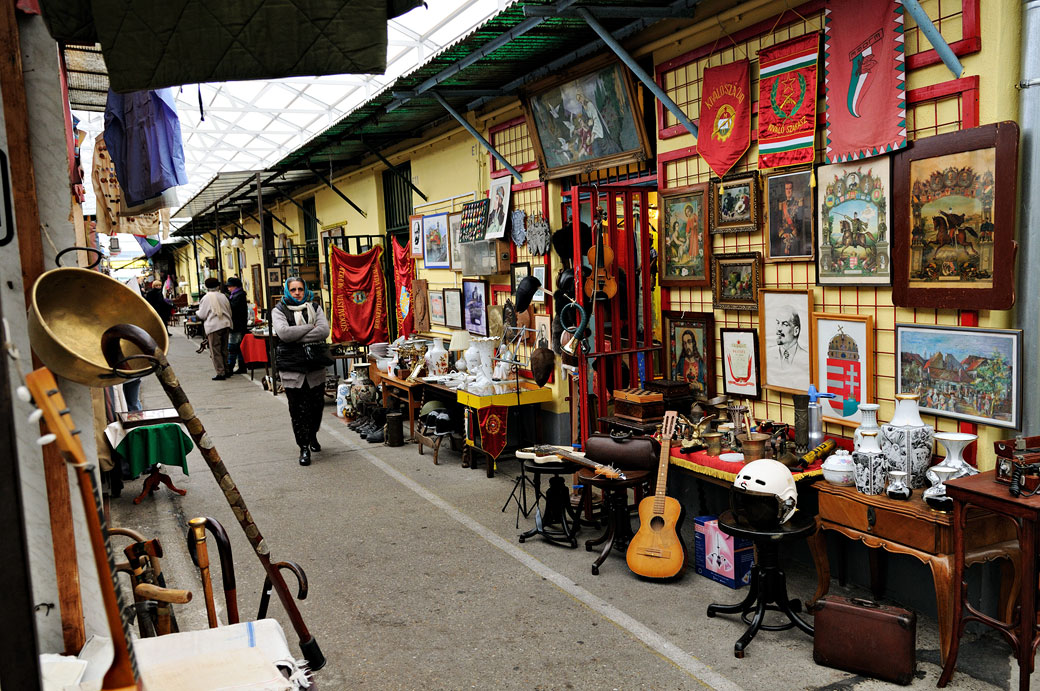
907,441
870,422
871,465
955,444
436,359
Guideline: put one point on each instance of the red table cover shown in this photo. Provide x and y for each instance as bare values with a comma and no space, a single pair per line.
701,462
254,350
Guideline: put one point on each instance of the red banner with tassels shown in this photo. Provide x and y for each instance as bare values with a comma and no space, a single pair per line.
358,297
493,429
404,272
725,119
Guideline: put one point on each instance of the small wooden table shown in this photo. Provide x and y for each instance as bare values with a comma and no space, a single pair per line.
1022,514
912,527
408,392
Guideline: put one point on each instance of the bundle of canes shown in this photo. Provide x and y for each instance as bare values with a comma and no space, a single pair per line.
151,352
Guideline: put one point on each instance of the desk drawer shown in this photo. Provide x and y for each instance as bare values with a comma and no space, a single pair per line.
898,526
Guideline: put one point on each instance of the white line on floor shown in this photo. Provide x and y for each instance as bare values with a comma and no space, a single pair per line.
656,642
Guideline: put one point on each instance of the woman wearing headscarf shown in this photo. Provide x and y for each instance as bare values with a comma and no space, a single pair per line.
298,319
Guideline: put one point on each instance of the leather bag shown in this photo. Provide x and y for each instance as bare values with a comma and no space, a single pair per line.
884,644
624,453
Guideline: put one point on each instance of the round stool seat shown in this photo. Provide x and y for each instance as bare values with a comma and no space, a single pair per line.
632,478
799,526
549,468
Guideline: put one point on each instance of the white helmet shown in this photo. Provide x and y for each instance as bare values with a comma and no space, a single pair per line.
764,494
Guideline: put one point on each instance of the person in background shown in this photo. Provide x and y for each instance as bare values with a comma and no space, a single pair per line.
162,306
239,325
215,313
298,319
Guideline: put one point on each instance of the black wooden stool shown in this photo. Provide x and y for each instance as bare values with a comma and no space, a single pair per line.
615,510
768,588
558,509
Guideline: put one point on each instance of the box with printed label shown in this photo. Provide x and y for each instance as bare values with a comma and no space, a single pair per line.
721,557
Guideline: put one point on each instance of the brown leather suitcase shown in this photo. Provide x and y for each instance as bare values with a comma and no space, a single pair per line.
626,453
862,636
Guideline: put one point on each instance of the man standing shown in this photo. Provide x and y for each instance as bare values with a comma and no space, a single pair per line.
239,325
215,313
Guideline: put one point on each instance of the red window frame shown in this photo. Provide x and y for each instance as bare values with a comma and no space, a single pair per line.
496,168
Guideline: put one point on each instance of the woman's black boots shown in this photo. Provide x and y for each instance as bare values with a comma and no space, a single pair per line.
305,455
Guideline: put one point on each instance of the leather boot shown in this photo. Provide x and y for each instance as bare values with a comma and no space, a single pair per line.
315,446
376,437
305,455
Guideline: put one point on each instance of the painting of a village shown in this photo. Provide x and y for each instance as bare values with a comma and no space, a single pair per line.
952,229
964,373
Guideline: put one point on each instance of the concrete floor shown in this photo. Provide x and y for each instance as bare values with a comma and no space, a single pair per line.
417,579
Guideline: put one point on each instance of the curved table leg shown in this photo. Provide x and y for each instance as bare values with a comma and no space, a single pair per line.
942,578
756,624
818,548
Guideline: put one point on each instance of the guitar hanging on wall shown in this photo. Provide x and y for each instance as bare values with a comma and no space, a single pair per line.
657,550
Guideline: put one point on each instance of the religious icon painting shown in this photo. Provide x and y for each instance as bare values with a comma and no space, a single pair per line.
436,251
415,224
854,212
784,317
842,354
689,350
789,209
735,280
684,248
734,203
740,363
953,245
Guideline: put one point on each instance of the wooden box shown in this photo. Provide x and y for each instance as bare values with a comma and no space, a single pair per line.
638,404
670,388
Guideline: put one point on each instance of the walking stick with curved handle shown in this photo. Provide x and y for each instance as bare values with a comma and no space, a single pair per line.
301,582
227,565
171,385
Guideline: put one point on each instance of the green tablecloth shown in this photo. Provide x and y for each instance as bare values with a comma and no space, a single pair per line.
145,446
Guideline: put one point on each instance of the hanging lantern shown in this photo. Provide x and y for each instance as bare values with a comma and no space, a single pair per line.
224,242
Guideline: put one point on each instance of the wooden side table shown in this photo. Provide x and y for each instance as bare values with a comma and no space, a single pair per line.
1022,514
912,527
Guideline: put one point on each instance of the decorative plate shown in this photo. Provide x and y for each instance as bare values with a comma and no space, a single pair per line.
538,237
519,232
732,457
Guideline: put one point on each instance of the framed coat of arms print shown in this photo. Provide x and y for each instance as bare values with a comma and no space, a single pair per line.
842,355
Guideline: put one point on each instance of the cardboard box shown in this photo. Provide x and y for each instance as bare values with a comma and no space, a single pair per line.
720,557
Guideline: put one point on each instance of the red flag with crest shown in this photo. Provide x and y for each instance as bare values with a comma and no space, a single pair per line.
725,119
787,102
404,272
358,295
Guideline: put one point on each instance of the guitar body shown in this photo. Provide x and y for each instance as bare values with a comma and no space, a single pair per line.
657,551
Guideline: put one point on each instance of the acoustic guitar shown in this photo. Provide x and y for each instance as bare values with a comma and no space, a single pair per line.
657,550
122,675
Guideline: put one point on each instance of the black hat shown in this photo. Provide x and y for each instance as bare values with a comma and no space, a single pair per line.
234,282
563,241
525,292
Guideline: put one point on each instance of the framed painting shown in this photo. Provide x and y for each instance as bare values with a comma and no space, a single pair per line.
854,210
735,280
842,354
498,216
689,350
740,363
415,225
474,306
474,220
518,271
734,203
541,272
965,373
436,251
453,308
784,319
274,279
543,330
455,241
789,217
258,286
593,121
684,248
954,241
436,307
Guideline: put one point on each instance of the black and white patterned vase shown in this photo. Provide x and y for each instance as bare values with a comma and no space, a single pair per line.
871,465
907,441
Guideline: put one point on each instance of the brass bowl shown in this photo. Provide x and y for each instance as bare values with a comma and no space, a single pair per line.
71,308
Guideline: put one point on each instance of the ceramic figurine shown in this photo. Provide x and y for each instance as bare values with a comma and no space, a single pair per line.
955,443
871,465
907,441
869,422
897,488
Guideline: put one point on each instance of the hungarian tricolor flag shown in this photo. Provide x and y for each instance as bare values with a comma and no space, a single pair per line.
404,272
725,119
150,244
787,102
865,76
358,296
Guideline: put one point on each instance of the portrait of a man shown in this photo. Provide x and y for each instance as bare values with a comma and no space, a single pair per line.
499,195
790,216
785,322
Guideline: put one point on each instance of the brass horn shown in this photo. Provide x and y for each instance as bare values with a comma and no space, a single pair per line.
71,308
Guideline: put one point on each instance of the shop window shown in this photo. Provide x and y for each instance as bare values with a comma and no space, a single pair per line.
514,143
397,198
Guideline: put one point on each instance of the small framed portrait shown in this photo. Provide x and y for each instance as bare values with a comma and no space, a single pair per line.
274,278
734,203
542,330
784,319
684,248
415,225
436,253
735,280
454,241
518,271
964,373
498,216
740,363
436,307
453,308
789,221
689,350
540,272
843,364
474,306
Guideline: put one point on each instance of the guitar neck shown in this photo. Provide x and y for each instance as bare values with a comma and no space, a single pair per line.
660,493
580,460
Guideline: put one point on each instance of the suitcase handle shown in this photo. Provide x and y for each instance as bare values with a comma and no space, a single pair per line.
863,602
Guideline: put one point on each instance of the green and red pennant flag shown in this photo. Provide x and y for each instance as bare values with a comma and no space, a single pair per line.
787,102
725,119
358,295
865,74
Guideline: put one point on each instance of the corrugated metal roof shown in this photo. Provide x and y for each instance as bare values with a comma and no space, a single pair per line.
230,193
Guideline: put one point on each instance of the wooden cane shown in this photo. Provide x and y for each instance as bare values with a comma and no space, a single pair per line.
197,532
171,385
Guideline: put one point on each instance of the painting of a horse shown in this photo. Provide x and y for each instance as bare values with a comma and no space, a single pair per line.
950,230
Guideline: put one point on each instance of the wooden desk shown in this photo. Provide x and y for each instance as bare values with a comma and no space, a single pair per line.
911,527
408,392
1023,514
